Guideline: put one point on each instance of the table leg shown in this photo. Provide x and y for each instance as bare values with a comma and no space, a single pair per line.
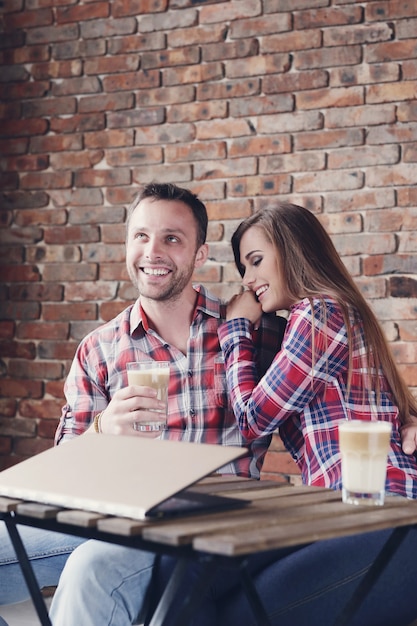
191,601
255,602
388,550
27,571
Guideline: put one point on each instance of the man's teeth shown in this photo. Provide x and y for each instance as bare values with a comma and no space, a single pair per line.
155,272
261,290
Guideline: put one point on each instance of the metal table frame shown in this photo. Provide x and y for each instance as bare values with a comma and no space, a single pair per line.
209,562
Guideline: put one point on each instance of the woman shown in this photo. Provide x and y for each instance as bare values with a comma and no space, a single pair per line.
334,364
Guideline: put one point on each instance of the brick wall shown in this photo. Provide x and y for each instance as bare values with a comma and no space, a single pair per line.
244,102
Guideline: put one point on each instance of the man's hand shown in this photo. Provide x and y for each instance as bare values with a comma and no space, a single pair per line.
409,438
124,408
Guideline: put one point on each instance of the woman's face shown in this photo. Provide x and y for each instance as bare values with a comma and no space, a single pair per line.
262,270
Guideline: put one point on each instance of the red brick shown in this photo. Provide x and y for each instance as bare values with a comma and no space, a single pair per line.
46,180
81,85
169,58
228,89
102,28
197,111
36,292
141,117
76,160
16,349
137,42
20,273
81,123
57,69
329,139
234,209
137,7
168,95
167,21
225,168
111,102
112,138
131,80
230,50
364,74
360,34
360,116
197,151
326,98
43,330
56,143
49,106
13,146
90,11
28,19
26,163
110,65
289,42
199,35
258,26
300,81
248,186
68,312
79,49
24,90
389,92
51,34
24,128
325,17
232,10
390,9
280,463
192,74
98,178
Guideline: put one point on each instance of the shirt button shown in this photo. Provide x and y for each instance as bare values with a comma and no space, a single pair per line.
190,373
192,412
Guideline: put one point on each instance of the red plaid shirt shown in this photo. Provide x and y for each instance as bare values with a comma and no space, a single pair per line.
199,406
307,398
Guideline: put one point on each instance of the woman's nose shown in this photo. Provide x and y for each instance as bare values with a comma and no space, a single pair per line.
247,279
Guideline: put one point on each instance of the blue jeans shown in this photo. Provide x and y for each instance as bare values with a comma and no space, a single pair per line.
310,585
102,585
47,552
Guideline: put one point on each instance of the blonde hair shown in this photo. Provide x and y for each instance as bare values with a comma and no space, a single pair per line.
312,268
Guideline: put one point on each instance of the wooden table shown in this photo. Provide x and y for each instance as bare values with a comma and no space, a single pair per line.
278,517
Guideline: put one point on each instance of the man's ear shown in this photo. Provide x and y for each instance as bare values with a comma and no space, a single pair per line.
201,256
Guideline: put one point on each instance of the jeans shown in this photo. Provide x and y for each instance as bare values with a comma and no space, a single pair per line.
309,586
47,551
102,585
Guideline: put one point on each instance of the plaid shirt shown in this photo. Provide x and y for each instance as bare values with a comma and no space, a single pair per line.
199,407
306,396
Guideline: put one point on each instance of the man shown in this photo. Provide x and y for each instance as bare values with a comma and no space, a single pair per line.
171,321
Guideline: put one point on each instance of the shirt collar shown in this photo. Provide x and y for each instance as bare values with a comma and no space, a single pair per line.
206,303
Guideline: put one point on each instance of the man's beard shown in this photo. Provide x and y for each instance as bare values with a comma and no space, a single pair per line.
171,291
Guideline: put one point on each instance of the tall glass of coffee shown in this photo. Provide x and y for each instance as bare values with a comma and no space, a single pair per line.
364,447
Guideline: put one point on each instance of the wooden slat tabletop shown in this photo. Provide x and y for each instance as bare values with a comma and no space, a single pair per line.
278,516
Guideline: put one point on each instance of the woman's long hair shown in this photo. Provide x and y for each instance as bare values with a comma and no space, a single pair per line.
312,268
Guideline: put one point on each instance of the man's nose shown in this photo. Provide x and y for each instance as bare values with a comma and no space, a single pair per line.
153,248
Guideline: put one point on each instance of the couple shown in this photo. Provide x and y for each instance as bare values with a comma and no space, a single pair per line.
332,358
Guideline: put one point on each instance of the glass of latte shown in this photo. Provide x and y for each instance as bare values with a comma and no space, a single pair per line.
364,447
151,374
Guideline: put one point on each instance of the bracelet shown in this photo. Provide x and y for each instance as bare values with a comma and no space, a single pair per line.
97,422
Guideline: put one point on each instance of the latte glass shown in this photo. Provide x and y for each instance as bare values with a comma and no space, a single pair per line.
151,374
364,447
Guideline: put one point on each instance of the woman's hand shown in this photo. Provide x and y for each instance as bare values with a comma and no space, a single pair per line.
409,438
246,305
